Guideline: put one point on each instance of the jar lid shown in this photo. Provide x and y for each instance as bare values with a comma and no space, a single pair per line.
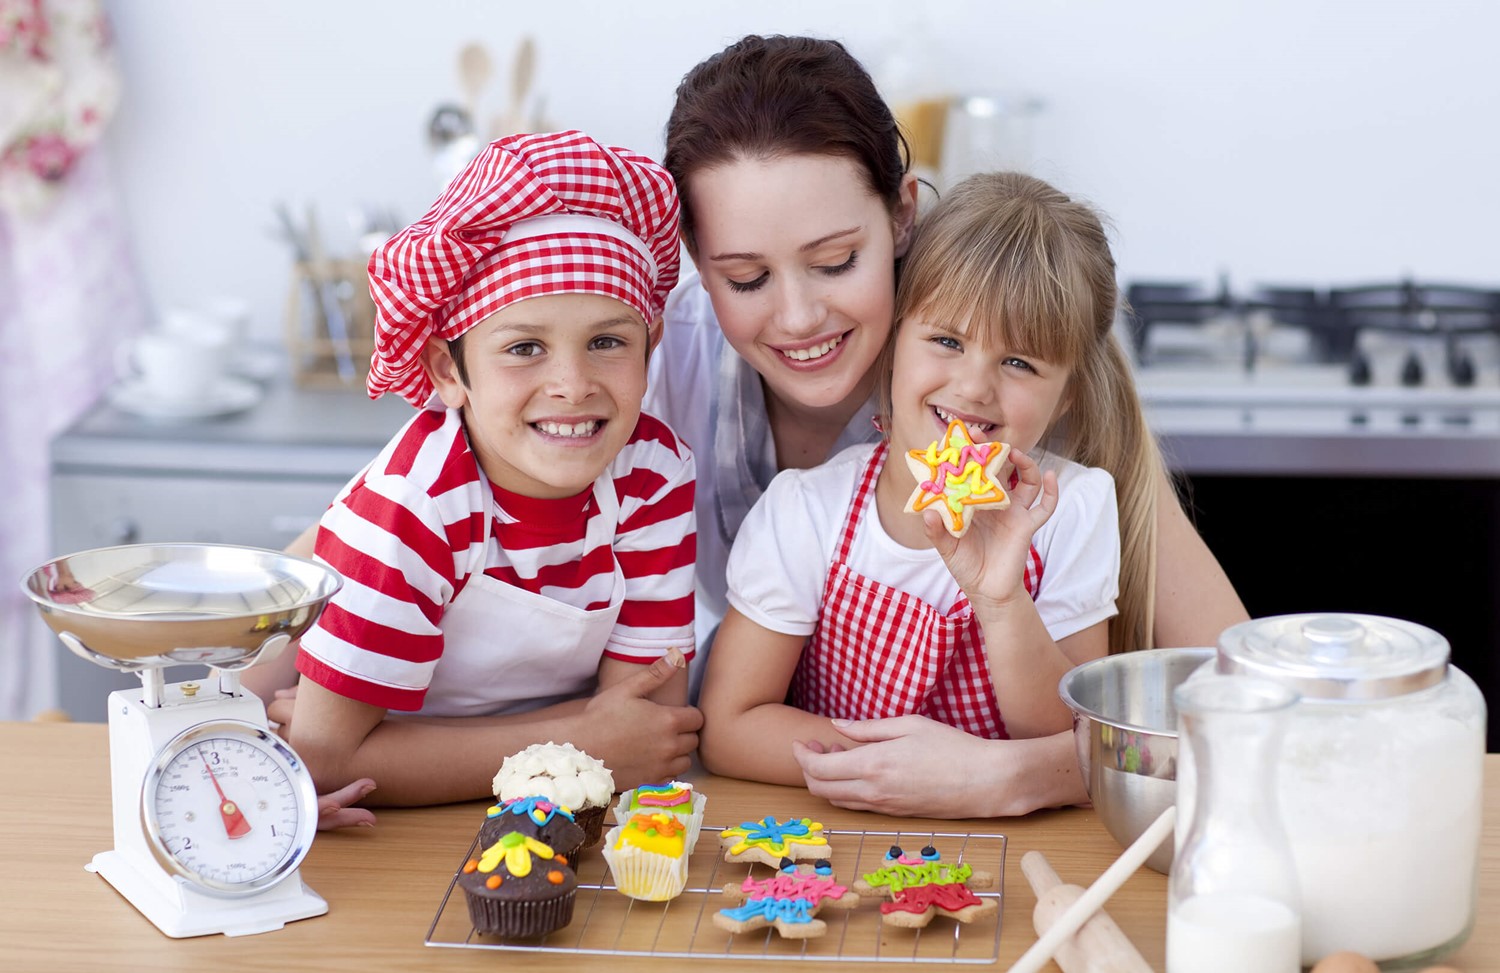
1337,656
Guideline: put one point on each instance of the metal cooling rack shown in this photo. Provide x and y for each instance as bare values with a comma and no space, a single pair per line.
607,923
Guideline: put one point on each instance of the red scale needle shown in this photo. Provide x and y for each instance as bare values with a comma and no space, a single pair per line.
235,824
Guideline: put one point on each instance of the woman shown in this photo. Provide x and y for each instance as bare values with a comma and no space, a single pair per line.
796,208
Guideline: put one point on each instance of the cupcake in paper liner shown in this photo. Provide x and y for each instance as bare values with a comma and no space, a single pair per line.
648,856
551,824
564,775
518,888
677,798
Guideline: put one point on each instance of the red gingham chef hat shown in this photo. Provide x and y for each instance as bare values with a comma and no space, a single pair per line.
531,215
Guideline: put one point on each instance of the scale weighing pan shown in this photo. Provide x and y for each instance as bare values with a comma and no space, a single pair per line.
155,605
213,812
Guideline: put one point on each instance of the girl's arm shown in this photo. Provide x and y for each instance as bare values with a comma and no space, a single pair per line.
989,563
748,729
1194,599
893,771
435,761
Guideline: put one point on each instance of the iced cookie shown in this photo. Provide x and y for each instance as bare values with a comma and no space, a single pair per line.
924,887
958,476
769,841
789,902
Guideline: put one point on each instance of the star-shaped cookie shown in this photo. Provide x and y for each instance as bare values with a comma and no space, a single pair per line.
955,474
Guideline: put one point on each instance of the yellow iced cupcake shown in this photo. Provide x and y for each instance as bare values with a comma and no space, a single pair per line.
648,856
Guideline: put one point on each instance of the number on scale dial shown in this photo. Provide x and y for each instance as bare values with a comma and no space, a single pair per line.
227,806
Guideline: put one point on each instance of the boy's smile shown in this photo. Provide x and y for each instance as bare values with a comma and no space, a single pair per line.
553,390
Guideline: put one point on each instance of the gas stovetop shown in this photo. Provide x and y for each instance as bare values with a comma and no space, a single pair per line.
1403,361
1406,334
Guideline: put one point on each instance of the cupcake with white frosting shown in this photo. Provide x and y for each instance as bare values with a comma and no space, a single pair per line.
564,775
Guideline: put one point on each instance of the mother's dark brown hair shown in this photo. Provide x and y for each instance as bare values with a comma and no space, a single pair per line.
766,97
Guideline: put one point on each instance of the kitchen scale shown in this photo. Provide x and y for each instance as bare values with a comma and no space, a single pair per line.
213,813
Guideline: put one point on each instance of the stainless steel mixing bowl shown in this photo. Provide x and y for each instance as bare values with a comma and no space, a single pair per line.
151,605
1125,728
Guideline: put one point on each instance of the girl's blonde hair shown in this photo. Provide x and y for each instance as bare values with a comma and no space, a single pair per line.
1008,253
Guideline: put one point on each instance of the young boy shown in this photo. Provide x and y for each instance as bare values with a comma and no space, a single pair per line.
518,561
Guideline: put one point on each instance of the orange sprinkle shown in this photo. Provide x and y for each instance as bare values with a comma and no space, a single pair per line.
560,859
555,877
471,865
493,882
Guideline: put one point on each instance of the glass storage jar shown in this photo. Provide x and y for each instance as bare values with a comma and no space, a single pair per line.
1381,780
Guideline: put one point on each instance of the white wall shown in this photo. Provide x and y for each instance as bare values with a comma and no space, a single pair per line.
1321,141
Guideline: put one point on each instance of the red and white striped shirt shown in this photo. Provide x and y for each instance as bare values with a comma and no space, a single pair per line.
403,533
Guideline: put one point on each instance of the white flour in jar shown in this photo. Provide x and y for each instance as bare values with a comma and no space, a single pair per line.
1382,812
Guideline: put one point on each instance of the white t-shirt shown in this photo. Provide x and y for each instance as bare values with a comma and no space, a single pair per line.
715,403
786,546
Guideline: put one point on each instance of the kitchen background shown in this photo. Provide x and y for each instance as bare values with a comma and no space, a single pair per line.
1302,144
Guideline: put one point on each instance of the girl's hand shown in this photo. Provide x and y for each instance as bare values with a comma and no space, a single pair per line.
989,561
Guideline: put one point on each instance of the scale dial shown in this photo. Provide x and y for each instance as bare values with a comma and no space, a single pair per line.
229,807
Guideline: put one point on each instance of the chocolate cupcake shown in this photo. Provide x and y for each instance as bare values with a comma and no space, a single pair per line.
519,888
563,774
551,824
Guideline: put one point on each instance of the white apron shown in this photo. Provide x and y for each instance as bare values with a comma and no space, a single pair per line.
509,650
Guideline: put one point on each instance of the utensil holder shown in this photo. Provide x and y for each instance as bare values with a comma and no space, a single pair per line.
315,354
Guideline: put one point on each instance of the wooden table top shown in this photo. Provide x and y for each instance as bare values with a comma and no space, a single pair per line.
384,885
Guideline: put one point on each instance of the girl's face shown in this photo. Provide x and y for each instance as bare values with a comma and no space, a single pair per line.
798,258
1001,394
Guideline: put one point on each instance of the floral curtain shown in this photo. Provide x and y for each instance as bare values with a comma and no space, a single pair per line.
68,291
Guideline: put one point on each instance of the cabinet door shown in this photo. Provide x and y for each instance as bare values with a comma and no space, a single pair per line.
101,510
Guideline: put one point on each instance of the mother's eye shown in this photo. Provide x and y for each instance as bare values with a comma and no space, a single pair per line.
744,286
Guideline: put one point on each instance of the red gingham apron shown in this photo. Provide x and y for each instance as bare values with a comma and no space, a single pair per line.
880,652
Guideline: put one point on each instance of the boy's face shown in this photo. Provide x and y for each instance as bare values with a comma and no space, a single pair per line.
554,389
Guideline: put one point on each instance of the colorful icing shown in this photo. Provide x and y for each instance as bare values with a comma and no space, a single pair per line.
666,797
660,834
920,898
957,474
788,897
895,854
515,849
775,837
792,911
540,810
903,876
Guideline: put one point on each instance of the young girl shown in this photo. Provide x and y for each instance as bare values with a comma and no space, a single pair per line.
851,608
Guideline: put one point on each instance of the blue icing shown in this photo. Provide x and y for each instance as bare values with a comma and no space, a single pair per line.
772,910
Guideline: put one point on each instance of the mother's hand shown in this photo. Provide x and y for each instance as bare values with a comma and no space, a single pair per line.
894,771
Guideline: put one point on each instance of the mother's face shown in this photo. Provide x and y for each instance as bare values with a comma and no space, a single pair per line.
798,257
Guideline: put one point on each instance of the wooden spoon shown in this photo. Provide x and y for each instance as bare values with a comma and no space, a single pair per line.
474,70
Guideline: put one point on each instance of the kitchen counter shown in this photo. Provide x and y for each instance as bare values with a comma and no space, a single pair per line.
384,884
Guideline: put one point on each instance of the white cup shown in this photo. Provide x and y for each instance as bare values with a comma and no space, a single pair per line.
206,327
181,368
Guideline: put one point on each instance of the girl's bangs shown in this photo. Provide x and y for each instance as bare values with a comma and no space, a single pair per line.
1008,296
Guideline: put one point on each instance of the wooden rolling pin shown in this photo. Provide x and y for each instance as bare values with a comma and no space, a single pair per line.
1099,946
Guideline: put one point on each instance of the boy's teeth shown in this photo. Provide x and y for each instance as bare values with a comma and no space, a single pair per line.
569,428
974,426
816,351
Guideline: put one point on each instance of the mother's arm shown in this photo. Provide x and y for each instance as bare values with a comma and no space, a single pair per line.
1194,599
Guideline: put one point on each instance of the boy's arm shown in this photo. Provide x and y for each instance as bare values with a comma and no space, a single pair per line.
435,761
673,692
748,728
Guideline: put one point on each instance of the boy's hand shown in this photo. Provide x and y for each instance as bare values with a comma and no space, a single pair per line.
989,561
639,740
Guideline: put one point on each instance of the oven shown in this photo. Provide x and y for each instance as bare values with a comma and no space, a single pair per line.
1339,448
